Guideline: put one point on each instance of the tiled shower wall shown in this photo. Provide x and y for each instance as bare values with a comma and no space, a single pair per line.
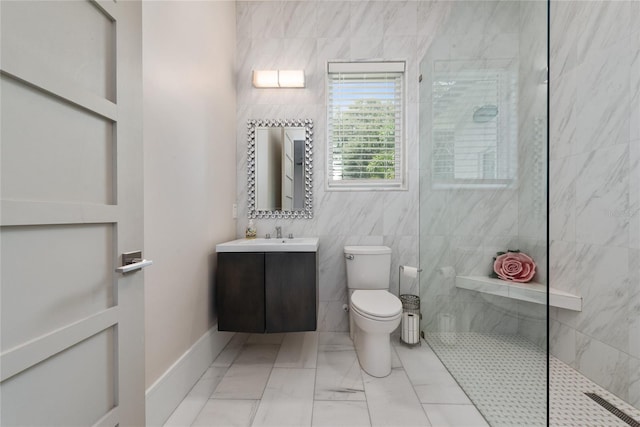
595,189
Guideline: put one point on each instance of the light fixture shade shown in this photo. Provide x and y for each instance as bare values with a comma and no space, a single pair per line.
278,78
291,78
265,78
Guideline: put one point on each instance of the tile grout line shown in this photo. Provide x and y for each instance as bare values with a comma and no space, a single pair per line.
226,369
413,386
253,415
415,392
315,378
364,391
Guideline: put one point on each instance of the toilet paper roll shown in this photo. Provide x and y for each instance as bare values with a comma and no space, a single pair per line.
410,271
410,328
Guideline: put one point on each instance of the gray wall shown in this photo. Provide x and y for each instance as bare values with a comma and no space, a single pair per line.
189,170
595,189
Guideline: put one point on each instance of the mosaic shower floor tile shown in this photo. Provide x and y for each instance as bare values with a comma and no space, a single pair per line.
505,376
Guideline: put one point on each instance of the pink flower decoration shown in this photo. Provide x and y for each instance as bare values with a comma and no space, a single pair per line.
515,267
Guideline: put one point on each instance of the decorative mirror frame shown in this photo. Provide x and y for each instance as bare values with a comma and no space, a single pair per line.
307,212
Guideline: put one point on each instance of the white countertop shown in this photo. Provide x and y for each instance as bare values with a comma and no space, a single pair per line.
298,244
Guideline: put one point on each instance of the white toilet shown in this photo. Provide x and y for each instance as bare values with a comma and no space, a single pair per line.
373,312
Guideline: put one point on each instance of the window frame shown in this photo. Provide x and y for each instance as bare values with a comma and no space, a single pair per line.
399,183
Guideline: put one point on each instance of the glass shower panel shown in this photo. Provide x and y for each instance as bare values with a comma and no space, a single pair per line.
483,180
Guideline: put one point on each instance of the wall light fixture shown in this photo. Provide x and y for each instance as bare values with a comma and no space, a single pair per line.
278,78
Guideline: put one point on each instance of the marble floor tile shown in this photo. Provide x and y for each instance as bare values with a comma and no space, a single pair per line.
423,366
395,360
340,413
442,394
298,350
227,413
265,338
231,350
253,391
243,382
392,401
435,377
338,376
197,397
257,354
287,399
334,341
454,416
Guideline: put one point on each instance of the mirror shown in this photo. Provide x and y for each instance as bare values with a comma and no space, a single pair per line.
280,168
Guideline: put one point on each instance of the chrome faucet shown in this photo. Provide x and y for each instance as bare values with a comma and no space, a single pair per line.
278,232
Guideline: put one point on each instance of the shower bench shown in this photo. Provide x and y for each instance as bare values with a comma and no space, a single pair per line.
531,292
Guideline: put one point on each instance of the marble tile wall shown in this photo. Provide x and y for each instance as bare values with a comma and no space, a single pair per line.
306,34
462,229
594,170
595,189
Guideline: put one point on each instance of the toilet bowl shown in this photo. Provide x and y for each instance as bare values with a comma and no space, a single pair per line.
373,312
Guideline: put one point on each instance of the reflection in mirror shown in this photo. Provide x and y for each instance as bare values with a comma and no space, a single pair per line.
475,126
280,168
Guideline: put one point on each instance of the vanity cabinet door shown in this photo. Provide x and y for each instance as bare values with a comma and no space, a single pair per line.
291,293
240,292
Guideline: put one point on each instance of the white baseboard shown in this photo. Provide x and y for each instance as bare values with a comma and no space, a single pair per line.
164,396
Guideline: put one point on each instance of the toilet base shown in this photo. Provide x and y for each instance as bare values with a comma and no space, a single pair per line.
374,353
372,339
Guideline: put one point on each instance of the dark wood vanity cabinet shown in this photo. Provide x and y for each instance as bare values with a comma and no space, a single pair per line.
291,294
240,292
267,292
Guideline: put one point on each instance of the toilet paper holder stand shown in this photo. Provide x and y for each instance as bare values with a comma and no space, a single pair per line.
414,272
410,333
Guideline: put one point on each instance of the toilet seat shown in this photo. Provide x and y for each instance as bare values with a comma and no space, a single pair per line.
376,318
376,304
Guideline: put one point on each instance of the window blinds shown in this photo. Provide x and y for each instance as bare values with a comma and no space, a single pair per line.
365,124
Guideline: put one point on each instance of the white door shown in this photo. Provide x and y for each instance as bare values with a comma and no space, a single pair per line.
287,171
72,329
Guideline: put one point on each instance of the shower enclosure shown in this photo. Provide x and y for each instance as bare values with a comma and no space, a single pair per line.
483,190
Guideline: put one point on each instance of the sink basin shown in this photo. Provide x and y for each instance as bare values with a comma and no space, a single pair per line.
298,244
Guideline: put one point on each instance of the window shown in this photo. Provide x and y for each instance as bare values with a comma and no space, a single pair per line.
474,127
365,125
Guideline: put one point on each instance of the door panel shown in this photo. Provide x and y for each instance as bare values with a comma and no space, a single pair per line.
287,172
41,33
88,365
73,278
54,161
72,349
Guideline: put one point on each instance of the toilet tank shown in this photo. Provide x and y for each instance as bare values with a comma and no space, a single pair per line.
368,266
